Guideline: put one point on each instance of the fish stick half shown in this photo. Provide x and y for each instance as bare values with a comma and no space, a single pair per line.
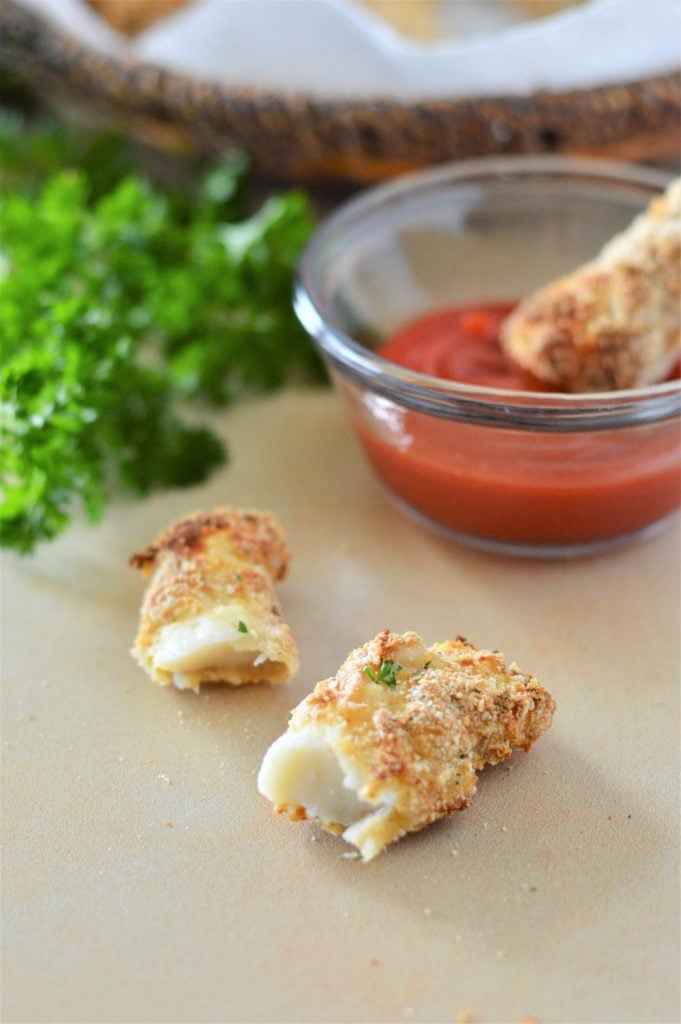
210,613
615,323
395,739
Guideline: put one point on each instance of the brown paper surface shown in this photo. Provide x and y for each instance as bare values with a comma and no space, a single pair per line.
145,879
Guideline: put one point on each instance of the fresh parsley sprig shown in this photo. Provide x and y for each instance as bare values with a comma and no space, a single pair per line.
119,299
387,674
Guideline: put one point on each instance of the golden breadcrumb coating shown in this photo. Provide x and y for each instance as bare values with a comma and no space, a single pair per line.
132,16
614,323
409,751
210,613
414,18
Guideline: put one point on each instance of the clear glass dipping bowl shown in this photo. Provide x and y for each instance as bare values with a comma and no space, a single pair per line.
537,474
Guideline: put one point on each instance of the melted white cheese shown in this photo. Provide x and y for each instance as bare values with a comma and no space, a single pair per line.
301,770
208,641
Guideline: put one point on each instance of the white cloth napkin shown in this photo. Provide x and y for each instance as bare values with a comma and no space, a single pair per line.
333,48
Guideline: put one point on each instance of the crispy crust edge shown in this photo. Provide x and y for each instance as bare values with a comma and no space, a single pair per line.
256,535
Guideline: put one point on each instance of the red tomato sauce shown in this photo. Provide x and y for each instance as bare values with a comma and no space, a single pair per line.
461,344
507,485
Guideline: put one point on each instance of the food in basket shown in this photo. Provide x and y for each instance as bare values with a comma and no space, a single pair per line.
132,16
396,738
435,20
424,20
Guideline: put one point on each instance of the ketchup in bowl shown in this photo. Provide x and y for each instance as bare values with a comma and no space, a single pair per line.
461,343
458,435
512,487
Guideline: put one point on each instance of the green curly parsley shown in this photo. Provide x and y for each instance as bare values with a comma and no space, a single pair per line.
118,300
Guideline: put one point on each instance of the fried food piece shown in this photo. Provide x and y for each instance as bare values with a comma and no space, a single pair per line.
416,19
543,8
394,740
614,323
132,16
210,613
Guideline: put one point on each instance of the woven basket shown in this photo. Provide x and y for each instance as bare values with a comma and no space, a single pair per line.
300,138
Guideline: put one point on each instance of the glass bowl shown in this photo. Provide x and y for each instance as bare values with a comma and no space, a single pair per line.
538,474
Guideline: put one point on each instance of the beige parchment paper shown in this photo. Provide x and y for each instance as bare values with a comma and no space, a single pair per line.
144,878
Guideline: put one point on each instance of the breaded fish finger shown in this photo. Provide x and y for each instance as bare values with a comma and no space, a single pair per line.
210,613
394,740
614,323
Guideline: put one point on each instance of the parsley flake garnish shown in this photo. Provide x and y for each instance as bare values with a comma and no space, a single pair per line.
242,627
387,674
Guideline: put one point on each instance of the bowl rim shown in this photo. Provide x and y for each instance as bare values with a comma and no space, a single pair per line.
476,403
